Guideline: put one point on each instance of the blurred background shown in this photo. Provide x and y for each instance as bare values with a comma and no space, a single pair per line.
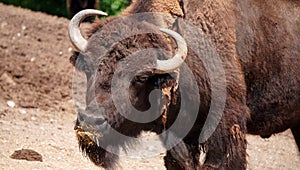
59,7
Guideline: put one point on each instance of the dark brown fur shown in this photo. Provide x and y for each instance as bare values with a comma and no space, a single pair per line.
259,45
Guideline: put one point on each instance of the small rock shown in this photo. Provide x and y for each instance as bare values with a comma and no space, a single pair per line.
6,78
32,59
22,111
3,24
27,154
51,120
60,53
11,104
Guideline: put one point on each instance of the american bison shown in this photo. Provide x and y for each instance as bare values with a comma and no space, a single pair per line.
258,44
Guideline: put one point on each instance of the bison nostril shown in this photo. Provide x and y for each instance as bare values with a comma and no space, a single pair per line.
77,125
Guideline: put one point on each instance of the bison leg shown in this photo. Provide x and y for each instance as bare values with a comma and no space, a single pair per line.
225,149
182,156
171,163
296,133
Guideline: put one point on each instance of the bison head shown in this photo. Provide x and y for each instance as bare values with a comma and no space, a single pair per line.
109,65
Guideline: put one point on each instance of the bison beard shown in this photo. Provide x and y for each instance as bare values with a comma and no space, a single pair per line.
87,143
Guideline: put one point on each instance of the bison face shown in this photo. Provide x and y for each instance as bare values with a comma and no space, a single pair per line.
121,89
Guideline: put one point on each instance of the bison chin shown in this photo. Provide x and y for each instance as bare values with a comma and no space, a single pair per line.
89,145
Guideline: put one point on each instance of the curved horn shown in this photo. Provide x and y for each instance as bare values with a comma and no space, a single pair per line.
167,66
77,39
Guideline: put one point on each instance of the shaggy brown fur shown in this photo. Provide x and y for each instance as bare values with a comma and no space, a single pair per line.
171,7
258,43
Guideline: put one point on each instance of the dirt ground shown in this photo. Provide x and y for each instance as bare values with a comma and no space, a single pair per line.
36,75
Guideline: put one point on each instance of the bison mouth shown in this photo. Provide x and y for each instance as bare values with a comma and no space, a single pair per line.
89,143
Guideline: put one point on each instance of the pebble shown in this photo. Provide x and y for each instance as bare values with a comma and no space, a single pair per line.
23,111
5,77
11,104
3,24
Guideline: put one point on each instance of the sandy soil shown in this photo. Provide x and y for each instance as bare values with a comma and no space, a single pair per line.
36,75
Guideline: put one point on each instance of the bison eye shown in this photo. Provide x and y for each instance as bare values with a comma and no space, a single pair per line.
142,78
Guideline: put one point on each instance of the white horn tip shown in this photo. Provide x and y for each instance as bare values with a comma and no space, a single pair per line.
166,66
